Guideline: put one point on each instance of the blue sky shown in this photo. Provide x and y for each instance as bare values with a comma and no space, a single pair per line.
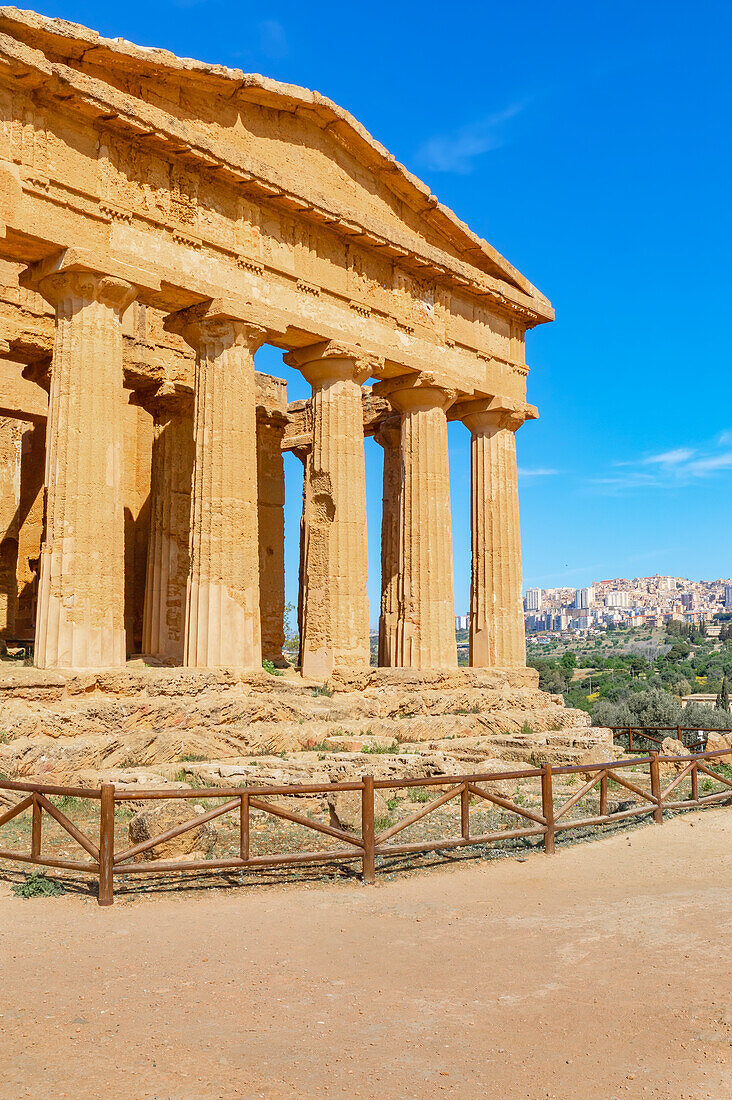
589,143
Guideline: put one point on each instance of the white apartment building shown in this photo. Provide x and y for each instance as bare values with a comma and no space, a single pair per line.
617,599
583,597
728,597
462,622
533,599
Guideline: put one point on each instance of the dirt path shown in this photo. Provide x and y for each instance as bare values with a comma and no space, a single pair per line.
603,972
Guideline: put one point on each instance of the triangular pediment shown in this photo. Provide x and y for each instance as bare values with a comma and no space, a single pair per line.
296,141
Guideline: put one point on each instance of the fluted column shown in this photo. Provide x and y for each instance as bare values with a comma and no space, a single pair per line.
426,622
222,610
305,455
336,613
80,617
271,519
497,638
389,437
168,557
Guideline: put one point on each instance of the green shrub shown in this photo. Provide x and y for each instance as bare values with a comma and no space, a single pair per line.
36,885
419,794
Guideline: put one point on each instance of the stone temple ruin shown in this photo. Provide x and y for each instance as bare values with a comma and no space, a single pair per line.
162,219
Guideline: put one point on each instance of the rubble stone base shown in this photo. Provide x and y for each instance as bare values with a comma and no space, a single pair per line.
157,725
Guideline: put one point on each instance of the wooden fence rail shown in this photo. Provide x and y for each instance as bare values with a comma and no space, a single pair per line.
696,742
473,791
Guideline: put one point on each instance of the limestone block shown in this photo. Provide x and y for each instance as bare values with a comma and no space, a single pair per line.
716,742
159,817
345,809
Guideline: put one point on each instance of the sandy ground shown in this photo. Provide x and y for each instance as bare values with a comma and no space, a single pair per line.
603,972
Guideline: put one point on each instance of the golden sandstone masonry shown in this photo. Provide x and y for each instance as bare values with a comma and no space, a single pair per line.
162,219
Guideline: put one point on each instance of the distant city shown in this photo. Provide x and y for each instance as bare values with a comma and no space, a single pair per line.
640,601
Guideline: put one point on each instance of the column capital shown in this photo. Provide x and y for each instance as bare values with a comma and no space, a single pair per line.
83,274
416,391
303,453
165,401
331,361
493,413
70,289
389,431
217,319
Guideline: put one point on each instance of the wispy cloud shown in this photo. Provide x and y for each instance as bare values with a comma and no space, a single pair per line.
456,152
536,472
670,458
272,39
669,469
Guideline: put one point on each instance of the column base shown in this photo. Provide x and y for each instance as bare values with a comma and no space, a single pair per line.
222,633
75,645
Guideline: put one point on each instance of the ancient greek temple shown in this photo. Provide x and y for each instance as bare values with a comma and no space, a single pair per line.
160,221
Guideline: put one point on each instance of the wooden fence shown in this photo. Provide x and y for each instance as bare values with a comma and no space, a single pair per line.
694,739
106,863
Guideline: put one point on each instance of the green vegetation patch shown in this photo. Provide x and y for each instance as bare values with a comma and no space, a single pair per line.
36,885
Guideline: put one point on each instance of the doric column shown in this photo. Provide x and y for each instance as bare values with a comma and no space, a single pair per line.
305,456
336,613
222,612
271,519
496,612
80,617
426,623
388,436
168,557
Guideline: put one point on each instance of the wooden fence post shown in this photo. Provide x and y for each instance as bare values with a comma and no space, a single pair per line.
694,782
244,826
603,795
106,845
367,830
630,740
547,808
656,789
36,828
465,811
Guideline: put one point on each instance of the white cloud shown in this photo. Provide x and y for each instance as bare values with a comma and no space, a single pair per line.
272,39
670,458
702,466
455,152
669,469
536,472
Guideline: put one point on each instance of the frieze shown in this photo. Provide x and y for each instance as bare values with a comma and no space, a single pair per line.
136,183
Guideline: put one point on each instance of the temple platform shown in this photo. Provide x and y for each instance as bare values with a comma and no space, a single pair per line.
154,725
